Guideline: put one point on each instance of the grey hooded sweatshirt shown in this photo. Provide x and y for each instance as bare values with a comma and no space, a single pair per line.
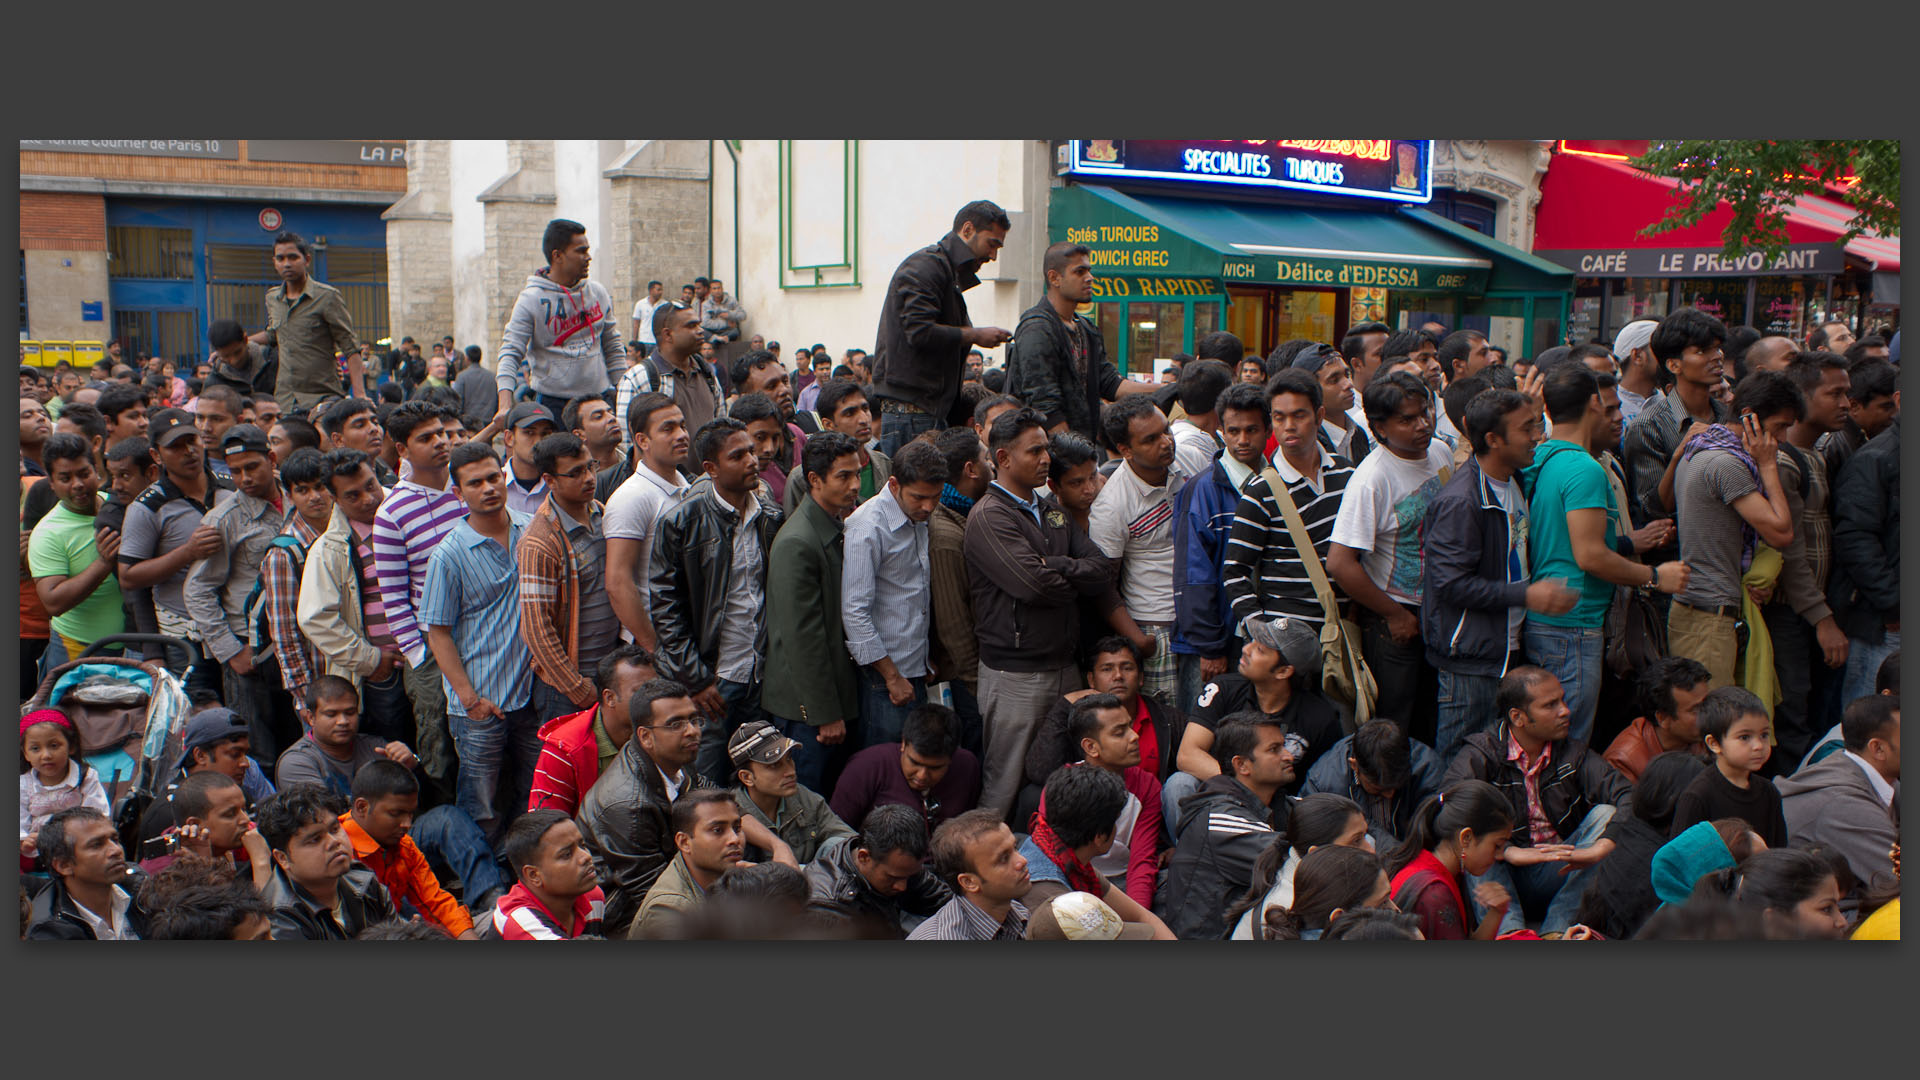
568,340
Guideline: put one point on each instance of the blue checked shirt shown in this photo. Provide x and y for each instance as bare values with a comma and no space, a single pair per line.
886,586
473,589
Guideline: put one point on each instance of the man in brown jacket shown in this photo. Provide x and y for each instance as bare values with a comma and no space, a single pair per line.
1027,568
955,652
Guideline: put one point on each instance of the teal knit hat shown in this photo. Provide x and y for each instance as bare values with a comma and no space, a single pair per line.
1687,858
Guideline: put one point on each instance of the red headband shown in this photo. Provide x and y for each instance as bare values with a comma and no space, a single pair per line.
45,716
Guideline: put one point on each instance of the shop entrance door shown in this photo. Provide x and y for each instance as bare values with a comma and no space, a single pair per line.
1263,318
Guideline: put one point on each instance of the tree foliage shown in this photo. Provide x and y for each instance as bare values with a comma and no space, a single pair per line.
1760,178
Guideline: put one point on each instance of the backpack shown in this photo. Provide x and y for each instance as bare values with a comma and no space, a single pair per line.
256,605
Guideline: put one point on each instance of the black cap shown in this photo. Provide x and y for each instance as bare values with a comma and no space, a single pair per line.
169,426
530,412
243,438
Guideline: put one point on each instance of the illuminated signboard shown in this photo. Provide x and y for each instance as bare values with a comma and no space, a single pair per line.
1400,170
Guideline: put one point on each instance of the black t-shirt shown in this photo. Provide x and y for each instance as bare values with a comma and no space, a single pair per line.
1712,796
1312,725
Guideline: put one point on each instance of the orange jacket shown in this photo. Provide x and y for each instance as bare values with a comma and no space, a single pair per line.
405,873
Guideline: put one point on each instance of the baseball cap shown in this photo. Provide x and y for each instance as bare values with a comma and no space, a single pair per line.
169,426
758,741
530,412
1296,641
243,438
1634,335
212,726
1080,916
1314,357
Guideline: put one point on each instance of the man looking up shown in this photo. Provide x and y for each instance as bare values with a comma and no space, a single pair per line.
707,841
563,338
1688,343
558,895
317,892
976,855
593,421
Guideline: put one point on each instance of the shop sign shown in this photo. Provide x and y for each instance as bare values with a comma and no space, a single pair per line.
391,152
1122,288
222,149
1330,273
1126,245
1698,262
1400,170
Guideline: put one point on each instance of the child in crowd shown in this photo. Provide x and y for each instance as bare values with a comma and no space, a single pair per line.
1460,831
1733,724
52,776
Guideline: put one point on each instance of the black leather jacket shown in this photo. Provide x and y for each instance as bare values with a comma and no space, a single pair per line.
918,349
1051,748
836,889
626,819
297,916
55,918
692,561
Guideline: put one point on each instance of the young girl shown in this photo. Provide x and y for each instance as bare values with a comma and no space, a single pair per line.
1458,832
1317,820
1330,880
1795,892
52,776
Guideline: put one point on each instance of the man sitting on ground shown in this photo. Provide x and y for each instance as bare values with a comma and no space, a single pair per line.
1083,805
927,771
385,797
333,749
576,749
877,878
976,855
317,892
706,832
93,893
558,897
767,787
1225,825
1671,689
1849,803
210,821
1385,771
1102,731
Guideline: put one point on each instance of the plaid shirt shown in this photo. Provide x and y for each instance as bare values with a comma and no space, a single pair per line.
1539,826
550,604
960,920
282,588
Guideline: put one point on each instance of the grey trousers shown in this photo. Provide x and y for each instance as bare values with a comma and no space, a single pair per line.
1012,704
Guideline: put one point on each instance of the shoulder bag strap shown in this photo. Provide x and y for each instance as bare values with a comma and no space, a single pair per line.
1302,542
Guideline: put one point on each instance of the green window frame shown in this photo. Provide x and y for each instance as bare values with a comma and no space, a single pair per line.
816,276
1118,334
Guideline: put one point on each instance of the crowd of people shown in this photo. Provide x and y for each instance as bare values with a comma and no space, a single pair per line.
665,635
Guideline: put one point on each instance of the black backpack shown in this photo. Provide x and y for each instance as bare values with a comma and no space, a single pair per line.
256,605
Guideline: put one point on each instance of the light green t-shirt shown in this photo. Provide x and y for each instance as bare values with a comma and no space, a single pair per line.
1565,477
62,545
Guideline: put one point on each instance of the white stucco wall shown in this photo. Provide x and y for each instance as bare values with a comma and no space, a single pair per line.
577,184
473,165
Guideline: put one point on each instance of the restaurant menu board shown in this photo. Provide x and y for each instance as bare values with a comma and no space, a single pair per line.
1780,305
1400,170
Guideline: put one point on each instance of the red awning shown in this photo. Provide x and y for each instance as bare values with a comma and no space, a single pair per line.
1591,204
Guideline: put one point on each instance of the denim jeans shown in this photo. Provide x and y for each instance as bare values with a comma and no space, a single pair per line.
1573,655
550,702
743,706
386,711
1863,666
897,429
1188,681
972,727
1409,686
881,721
1542,886
817,766
1177,787
451,840
1466,706
488,749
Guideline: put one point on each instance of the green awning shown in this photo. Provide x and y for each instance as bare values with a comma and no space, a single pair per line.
1167,237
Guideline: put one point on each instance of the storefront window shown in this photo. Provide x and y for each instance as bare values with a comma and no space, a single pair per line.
1583,324
1206,319
1156,331
1782,304
1638,298
1247,318
1305,314
1408,310
1107,318
1723,298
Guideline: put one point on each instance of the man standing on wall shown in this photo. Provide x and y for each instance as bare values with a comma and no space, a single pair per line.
307,322
1058,361
921,345
562,331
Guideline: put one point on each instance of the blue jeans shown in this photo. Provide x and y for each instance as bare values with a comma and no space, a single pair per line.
1542,886
743,706
1573,655
972,727
816,765
1187,681
1863,666
1466,706
485,750
450,839
386,711
1177,787
881,721
897,429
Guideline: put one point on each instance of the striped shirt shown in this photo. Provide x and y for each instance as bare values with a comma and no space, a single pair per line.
407,527
961,920
282,591
1263,576
473,589
1132,521
373,610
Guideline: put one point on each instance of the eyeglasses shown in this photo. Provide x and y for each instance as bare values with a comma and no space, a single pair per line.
677,725
579,473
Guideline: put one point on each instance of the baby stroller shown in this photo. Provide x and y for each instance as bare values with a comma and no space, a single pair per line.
131,716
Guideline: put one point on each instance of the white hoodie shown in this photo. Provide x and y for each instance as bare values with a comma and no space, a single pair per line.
568,338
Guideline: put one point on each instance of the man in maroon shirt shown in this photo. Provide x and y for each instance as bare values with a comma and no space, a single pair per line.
927,772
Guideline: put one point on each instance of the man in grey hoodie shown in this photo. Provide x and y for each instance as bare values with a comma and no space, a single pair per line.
1850,801
563,338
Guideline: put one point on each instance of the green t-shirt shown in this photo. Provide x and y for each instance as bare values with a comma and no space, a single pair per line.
1564,477
62,545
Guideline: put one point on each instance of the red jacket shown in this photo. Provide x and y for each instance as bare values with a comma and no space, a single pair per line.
519,917
569,762
1425,888
1143,847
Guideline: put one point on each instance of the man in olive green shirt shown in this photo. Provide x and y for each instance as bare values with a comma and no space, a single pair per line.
769,789
308,321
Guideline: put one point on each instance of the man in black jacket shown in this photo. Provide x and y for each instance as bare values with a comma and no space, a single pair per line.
1528,756
920,348
874,878
1475,593
1058,360
94,895
318,893
1224,826
1864,589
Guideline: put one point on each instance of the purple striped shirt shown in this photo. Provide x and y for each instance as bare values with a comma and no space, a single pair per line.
408,526
373,610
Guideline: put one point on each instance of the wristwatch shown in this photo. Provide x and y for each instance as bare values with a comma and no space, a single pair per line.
1653,581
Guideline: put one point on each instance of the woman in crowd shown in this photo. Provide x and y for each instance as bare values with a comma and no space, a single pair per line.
1620,896
1315,821
1330,880
1794,890
1458,832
